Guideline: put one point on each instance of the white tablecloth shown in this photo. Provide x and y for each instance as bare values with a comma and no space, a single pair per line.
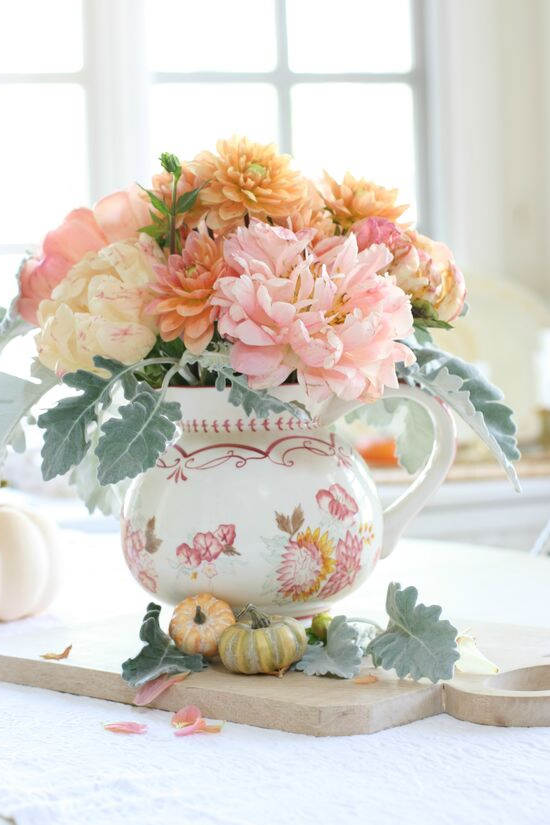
59,767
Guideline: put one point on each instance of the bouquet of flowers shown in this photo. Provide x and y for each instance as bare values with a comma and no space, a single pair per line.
234,270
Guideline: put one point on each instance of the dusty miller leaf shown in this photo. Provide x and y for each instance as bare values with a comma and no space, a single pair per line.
159,655
131,443
17,397
416,642
108,498
473,398
258,402
409,423
340,656
67,425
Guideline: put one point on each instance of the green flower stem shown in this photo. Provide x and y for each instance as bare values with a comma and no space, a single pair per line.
173,207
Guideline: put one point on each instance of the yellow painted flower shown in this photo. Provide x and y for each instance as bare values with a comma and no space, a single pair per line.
355,199
99,309
247,178
306,563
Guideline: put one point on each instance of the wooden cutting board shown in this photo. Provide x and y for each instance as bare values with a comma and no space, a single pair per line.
519,695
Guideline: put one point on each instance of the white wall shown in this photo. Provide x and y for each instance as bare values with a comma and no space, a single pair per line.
489,76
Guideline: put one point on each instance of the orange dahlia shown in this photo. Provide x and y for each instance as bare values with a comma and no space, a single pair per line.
311,215
184,290
352,200
247,178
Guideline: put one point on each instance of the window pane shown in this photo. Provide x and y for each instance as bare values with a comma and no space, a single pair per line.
352,36
215,35
43,163
41,36
187,118
369,133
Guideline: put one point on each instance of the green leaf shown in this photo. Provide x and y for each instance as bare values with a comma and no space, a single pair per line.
472,397
108,498
409,423
66,425
341,656
157,202
258,402
422,335
17,397
130,444
156,232
187,201
417,642
159,655
423,323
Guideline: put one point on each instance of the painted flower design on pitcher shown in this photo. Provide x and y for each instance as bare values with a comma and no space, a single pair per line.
206,548
320,561
139,546
337,503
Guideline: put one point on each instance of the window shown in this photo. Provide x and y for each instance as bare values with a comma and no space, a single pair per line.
91,104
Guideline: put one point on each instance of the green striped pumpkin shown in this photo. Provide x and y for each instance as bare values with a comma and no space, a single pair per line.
262,644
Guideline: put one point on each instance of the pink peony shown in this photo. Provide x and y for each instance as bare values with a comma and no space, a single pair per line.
325,312
113,218
348,564
337,503
423,268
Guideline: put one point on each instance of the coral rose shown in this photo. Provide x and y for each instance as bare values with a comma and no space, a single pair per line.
352,200
184,288
328,315
99,309
247,178
113,218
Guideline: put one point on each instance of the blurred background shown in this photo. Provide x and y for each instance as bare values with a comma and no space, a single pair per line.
448,100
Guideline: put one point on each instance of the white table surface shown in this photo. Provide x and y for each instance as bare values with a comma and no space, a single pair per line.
59,767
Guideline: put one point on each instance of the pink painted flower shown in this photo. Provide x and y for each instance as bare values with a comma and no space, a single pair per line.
190,556
226,534
305,565
348,564
338,503
326,313
113,218
147,578
208,546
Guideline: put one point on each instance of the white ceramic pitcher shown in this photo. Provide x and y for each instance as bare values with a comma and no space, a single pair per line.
278,512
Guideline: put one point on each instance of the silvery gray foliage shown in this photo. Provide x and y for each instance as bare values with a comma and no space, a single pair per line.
472,397
410,424
416,642
258,402
340,656
127,444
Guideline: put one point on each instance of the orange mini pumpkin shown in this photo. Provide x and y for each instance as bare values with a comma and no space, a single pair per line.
198,622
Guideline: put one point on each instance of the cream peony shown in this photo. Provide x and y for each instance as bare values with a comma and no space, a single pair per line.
99,309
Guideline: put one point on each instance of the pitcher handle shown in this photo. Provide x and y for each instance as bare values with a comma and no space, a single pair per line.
400,512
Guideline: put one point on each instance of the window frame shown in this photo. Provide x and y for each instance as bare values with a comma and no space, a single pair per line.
116,83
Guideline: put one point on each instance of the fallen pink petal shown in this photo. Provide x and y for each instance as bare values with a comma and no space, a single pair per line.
189,720
187,715
125,727
151,690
